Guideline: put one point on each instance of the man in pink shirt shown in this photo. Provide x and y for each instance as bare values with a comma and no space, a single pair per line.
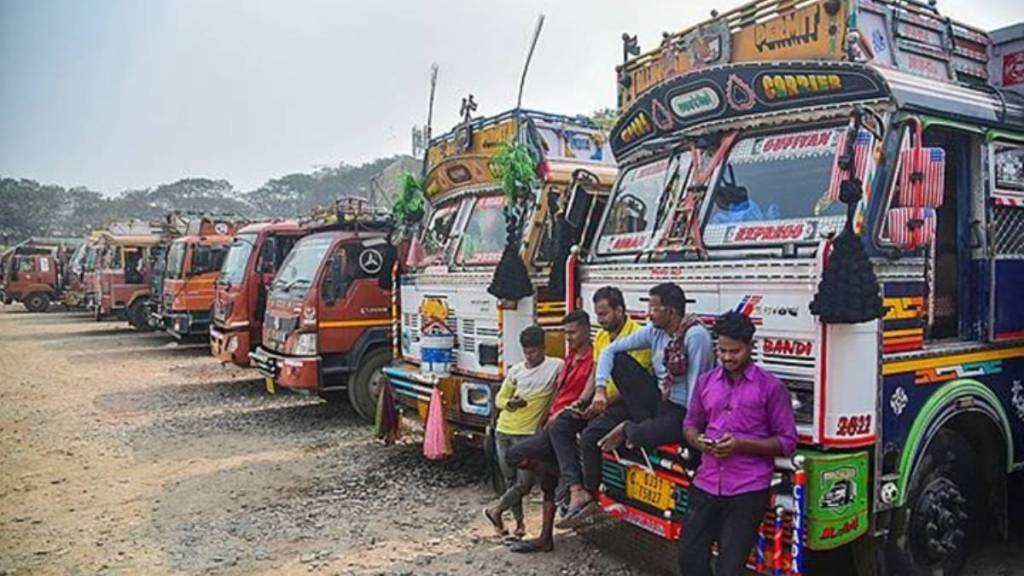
741,418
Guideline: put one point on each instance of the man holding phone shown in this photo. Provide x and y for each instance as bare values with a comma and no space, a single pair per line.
740,416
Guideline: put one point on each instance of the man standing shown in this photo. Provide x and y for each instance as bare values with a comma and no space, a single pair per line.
655,405
592,420
741,418
523,399
536,452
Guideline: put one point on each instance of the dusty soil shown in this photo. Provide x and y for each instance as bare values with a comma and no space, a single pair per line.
127,453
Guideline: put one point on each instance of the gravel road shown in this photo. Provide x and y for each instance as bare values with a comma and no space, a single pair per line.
128,453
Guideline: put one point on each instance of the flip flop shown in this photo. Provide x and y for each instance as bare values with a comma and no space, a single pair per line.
530,547
576,516
499,528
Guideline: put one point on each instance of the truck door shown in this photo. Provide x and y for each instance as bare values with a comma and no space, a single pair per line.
1006,239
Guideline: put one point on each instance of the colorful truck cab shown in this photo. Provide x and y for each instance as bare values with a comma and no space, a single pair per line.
240,300
741,143
122,280
192,265
327,325
452,260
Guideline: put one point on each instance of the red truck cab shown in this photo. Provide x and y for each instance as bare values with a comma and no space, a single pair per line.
327,328
30,276
123,280
240,292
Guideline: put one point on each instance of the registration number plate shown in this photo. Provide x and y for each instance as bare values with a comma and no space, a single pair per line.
650,489
269,382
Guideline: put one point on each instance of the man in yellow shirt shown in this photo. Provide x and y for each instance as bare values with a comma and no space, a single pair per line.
523,399
597,411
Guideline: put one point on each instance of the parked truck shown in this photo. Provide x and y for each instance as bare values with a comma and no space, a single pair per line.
453,259
240,300
746,145
123,279
189,270
327,325
29,273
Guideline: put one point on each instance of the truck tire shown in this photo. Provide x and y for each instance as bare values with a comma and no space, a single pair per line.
138,315
931,534
364,386
37,302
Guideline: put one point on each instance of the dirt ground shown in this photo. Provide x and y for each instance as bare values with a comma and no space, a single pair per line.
127,453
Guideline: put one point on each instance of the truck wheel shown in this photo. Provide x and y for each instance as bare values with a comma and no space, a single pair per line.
365,385
931,534
138,315
37,302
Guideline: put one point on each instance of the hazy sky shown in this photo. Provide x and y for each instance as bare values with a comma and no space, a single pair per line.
134,93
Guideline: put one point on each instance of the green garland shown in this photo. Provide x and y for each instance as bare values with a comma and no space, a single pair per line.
409,203
516,167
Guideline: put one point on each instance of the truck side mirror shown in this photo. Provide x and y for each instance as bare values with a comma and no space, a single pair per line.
911,228
384,279
922,177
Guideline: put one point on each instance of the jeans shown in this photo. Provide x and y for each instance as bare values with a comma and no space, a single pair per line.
731,521
518,481
535,454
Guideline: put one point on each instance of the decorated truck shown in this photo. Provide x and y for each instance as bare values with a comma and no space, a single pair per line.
29,273
240,299
327,324
444,294
850,175
189,270
123,278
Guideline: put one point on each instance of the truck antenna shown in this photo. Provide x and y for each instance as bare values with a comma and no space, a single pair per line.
430,116
529,57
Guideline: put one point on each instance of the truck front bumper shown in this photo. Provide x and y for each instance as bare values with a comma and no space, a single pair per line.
297,372
186,324
230,345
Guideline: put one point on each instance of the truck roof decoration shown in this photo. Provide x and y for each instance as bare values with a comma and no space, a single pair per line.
461,158
348,213
904,34
770,56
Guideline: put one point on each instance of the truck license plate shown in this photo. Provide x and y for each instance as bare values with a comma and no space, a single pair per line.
647,488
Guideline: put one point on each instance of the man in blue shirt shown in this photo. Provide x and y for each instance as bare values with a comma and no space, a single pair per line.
653,406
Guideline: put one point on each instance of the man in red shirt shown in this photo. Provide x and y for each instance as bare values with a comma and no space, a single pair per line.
537,451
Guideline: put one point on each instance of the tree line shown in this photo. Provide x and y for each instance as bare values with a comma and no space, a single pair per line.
31,209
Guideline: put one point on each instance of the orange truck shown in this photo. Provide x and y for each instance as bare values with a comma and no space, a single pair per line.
240,292
122,280
30,276
192,265
327,328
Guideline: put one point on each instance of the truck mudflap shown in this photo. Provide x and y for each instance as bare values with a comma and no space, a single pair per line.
297,372
818,501
230,345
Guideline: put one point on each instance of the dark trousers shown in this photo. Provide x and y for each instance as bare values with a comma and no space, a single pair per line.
729,520
536,453
651,423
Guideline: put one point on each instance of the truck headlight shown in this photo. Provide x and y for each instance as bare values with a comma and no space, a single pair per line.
475,398
305,344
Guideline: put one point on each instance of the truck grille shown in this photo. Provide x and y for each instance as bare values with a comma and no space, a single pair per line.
276,330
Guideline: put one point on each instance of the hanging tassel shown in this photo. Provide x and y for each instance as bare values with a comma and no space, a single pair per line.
386,418
436,444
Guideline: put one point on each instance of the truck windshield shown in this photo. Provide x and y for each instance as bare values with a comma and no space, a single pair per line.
299,269
774,190
484,238
175,260
233,270
428,249
633,209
